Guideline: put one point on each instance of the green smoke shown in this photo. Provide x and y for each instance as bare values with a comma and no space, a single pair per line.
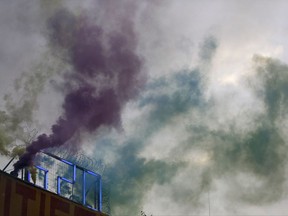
128,179
259,154
274,90
17,123
250,162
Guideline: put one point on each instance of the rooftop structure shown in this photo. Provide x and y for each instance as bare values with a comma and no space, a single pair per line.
52,185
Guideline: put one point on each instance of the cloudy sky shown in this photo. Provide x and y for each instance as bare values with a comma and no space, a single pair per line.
197,115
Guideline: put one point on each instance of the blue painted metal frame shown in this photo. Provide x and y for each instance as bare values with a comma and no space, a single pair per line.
65,179
59,178
45,176
98,177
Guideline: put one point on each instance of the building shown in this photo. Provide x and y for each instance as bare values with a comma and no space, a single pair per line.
78,192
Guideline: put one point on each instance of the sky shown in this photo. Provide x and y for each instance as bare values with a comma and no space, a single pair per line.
183,101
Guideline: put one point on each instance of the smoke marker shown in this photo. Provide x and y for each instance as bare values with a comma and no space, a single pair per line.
106,74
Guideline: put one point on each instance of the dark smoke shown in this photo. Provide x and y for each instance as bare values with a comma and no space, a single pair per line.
105,74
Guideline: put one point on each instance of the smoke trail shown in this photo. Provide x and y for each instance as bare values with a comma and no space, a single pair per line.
250,162
132,175
252,159
105,75
17,116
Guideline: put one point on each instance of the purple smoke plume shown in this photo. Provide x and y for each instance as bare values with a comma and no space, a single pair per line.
106,74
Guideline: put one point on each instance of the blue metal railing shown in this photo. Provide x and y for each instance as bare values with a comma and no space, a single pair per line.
87,198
